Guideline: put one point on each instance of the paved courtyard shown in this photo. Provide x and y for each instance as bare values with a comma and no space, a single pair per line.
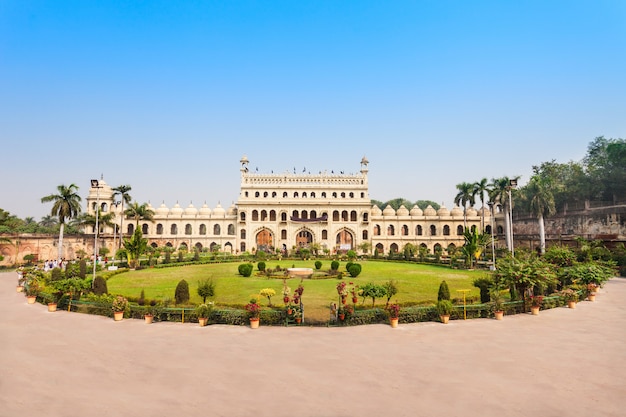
563,362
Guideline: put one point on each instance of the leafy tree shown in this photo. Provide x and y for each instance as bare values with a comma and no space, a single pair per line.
464,197
373,291
541,204
66,206
474,246
481,188
122,191
139,212
206,289
499,194
268,293
606,162
135,247
391,289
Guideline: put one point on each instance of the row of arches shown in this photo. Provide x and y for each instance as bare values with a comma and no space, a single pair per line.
213,246
304,237
304,194
271,215
395,248
420,231
187,230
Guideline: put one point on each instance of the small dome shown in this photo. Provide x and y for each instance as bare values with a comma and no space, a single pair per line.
232,210
443,211
456,211
162,210
205,210
191,210
484,211
219,210
402,211
177,209
471,212
376,211
416,211
430,211
389,211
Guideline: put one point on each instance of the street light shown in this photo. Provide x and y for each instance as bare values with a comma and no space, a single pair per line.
512,184
115,203
493,244
95,184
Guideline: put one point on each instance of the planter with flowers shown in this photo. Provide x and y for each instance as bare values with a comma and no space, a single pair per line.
591,291
393,310
535,304
254,313
570,296
342,291
119,306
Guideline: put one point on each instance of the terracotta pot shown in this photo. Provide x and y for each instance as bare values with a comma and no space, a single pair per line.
591,297
534,310
289,311
31,299
344,299
445,319
355,300
202,321
298,320
499,315
254,323
571,304
118,315
19,288
149,318
393,322
52,307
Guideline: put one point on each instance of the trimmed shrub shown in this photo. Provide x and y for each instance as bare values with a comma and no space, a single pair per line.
182,292
245,270
484,284
56,274
354,270
318,264
348,265
142,298
444,291
82,269
100,286
334,265
261,266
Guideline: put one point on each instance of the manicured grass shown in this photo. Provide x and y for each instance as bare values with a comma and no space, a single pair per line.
417,283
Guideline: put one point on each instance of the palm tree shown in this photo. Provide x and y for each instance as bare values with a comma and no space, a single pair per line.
541,204
481,188
66,206
498,193
464,196
139,212
90,219
122,191
48,221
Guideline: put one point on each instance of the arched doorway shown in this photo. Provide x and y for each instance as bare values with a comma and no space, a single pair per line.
264,241
344,240
304,238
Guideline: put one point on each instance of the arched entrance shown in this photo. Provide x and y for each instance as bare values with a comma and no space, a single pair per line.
264,240
304,238
344,240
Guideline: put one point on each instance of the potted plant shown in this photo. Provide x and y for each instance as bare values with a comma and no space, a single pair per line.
497,304
254,313
295,314
393,310
570,296
150,312
591,291
204,312
444,309
119,306
535,304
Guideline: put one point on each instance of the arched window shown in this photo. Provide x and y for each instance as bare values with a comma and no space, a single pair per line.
159,230
365,236
144,228
187,229
334,195
242,247
272,215
344,216
295,194
433,230
265,194
391,230
103,207
217,230
313,214
343,195
304,194
323,194
255,216
393,248
405,230
459,230
312,194
203,229
366,217
242,233
283,217
295,214
335,216
304,215
488,229
273,194
174,230
446,230
500,230
242,216
130,229
256,194
351,195
283,234
473,228
353,216
285,194
231,229
263,215
379,248
324,234
376,230
418,230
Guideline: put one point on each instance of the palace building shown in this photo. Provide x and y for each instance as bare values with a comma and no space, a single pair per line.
286,211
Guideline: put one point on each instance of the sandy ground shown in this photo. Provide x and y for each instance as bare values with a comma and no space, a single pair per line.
564,362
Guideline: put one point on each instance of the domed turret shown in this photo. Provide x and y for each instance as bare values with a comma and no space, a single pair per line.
416,211
219,211
205,210
430,211
191,210
232,210
389,211
176,210
456,211
402,211
443,211
376,211
471,212
162,210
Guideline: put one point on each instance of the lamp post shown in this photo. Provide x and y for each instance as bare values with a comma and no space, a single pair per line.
95,184
115,203
512,184
493,244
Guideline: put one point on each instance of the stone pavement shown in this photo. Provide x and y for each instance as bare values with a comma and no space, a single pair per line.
564,362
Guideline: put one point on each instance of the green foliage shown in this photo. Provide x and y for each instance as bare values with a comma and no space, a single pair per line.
354,270
82,268
245,269
206,289
268,293
100,286
181,256
142,298
444,307
351,254
560,256
373,291
484,284
391,289
56,274
444,291
334,265
524,274
204,310
168,257
261,266
318,265
181,294
135,247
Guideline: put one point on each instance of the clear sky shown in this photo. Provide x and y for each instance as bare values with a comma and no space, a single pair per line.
167,96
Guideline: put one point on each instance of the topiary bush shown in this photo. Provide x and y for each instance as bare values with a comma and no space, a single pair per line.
182,292
261,266
348,265
334,265
82,269
245,270
100,286
444,291
318,264
354,270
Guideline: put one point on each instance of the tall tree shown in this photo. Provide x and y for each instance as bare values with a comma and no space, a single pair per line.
90,219
463,197
66,206
481,188
541,204
123,192
498,193
139,212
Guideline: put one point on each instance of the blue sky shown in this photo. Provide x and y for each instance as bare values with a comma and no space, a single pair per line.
167,96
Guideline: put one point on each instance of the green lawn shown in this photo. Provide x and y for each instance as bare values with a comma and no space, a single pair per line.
417,283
